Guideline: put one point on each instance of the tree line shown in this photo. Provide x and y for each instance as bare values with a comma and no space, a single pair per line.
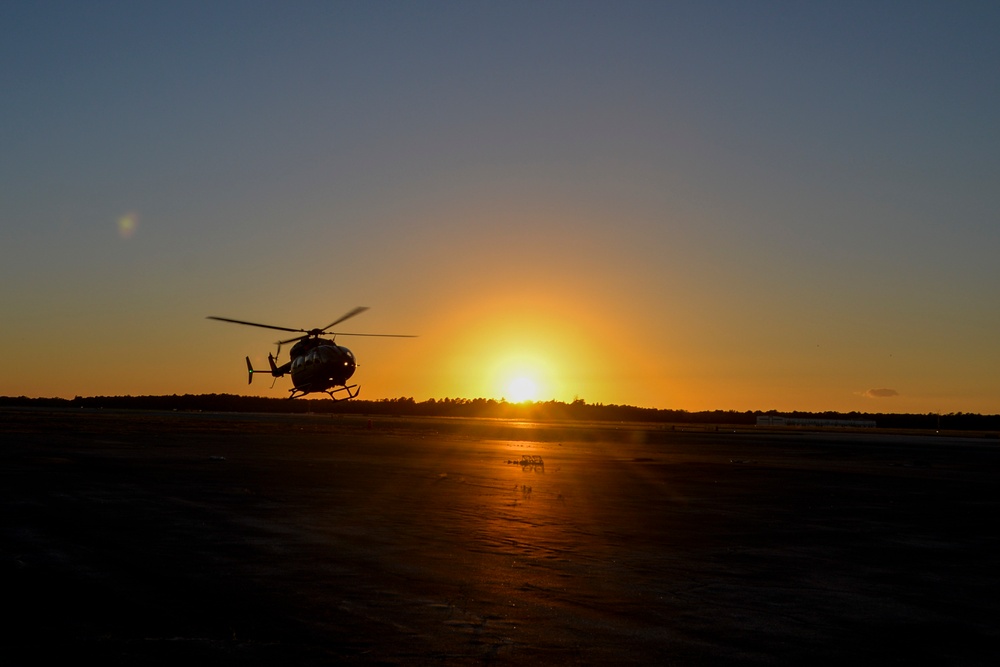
577,410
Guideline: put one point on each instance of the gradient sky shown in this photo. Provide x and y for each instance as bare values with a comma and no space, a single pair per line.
691,205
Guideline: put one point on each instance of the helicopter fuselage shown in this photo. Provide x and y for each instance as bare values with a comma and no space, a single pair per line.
318,364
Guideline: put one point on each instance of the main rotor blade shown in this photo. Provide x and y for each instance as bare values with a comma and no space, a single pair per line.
379,335
254,324
292,340
313,332
356,311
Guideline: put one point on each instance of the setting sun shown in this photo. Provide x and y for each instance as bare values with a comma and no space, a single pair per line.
521,389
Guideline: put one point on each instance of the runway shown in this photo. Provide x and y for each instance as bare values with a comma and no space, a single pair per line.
170,538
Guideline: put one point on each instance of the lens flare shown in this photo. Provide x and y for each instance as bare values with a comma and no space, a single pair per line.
127,224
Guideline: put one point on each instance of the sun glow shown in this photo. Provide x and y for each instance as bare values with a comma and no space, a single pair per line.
523,376
523,347
522,388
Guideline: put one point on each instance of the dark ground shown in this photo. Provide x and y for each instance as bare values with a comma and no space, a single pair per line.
169,538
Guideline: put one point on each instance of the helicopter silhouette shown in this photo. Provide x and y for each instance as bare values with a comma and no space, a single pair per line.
316,364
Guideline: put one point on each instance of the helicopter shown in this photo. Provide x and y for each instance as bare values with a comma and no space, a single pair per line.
317,364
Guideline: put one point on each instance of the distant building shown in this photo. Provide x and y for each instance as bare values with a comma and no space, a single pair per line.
768,420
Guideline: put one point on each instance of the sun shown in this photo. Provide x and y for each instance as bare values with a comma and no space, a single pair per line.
522,388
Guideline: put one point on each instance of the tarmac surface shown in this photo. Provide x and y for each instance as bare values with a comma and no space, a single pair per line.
175,538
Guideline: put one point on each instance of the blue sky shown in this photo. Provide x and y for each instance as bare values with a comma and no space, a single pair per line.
680,205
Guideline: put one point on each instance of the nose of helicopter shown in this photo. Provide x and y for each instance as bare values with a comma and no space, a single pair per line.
350,364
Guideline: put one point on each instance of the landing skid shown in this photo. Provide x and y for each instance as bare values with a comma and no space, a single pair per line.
350,394
333,393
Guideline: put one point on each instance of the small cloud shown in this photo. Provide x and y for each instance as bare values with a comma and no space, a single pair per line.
881,393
